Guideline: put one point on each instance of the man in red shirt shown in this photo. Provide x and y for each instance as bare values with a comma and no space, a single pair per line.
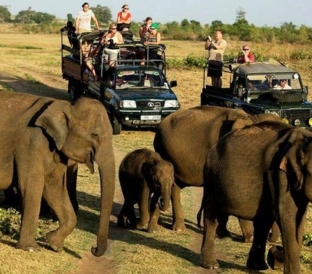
247,56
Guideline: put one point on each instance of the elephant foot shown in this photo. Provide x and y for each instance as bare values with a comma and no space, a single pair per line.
141,226
55,243
124,222
210,265
152,228
257,264
33,246
275,257
248,239
178,226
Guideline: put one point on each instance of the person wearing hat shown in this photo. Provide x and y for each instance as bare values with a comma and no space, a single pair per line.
154,36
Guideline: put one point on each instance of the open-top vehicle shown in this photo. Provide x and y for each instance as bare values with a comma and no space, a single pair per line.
263,87
135,92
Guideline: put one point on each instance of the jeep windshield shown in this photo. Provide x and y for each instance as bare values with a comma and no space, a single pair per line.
140,79
272,82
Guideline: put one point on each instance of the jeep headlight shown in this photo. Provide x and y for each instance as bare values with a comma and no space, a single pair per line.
171,104
127,104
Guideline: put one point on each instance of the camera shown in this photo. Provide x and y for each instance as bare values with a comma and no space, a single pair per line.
208,38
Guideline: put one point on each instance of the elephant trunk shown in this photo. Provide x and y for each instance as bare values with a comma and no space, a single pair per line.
107,180
165,197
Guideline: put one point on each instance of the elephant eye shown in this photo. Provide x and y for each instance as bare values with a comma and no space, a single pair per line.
95,136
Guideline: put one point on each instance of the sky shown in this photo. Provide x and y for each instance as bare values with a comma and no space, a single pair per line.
260,13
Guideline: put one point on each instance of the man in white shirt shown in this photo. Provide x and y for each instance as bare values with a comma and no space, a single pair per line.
83,19
282,84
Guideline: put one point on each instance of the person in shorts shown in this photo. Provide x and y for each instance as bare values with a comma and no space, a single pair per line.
216,50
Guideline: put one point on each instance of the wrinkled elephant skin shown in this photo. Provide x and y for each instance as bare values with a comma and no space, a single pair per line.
145,178
184,139
261,173
39,135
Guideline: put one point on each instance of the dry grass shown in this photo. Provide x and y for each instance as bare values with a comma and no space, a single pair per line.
32,64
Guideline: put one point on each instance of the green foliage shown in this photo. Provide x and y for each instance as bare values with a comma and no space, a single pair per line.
5,15
184,30
103,14
195,61
10,220
307,240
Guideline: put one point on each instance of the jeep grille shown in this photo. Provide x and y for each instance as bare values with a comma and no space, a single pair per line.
302,114
150,104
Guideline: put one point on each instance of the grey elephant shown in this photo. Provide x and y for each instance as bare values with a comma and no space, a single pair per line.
261,173
185,137
145,178
38,137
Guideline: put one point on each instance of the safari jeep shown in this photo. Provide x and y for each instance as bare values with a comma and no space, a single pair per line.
135,92
263,87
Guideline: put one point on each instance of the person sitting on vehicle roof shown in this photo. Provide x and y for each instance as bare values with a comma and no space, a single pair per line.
124,19
111,40
247,56
282,84
144,30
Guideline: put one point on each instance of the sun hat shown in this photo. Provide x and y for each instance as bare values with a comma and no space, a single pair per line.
154,26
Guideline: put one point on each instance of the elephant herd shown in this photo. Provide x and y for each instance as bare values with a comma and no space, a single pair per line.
253,167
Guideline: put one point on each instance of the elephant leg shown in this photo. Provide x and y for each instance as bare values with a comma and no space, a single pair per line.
275,233
30,214
222,231
292,228
144,208
71,174
126,217
177,211
262,226
247,230
154,214
208,253
56,195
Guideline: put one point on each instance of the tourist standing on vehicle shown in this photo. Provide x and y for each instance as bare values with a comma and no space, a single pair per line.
216,50
144,30
83,19
247,56
124,19
110,40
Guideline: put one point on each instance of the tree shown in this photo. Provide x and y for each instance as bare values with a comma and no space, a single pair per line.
5,15
24,16
240,14
42,17
103,14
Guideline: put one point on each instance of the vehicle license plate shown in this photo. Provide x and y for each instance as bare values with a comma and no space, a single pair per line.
150,117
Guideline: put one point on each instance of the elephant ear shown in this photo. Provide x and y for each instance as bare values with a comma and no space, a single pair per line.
241,123
55,121
147,172
292,163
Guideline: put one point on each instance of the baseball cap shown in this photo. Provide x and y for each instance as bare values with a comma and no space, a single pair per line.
154,26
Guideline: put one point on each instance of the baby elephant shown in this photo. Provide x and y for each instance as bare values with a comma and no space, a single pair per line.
145,178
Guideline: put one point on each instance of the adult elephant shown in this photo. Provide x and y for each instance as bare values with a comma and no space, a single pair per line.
13,194
184,139
261,173
38,137
145,178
